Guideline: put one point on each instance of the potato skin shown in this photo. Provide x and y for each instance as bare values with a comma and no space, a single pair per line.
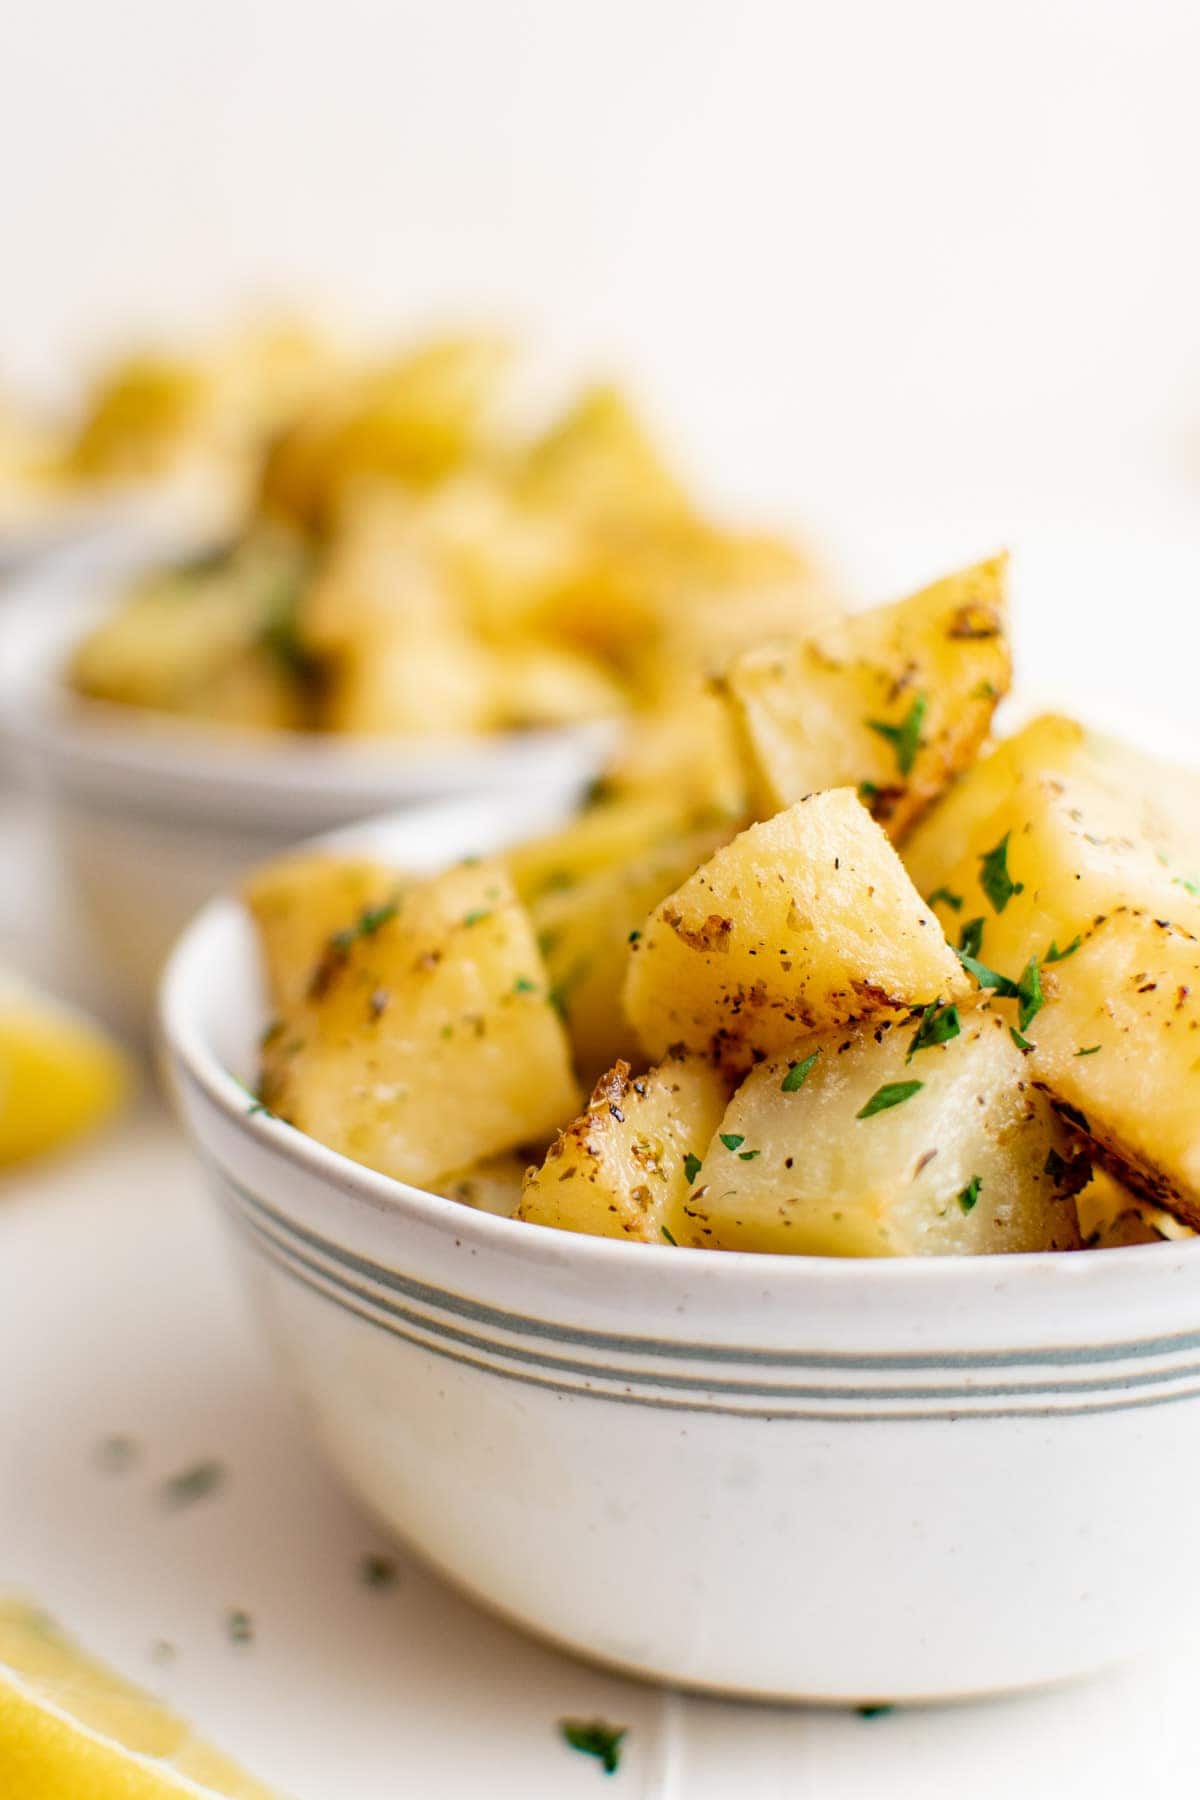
802,922
893,702
962,1164
620,1169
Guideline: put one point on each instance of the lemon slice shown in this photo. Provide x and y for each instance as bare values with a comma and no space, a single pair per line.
72,1730
59,1073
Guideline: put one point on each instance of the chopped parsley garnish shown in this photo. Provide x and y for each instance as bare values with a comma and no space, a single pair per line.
592,1737
692,1166
194,1483
373,918
732,1140
798,1073
523,985
117,1453
259,1106
938,1025
1090,1051
1029,993
875,1712
477,915
987,978
892,1093
748,1155
867,790
944,897
904,738
633,937
375,1571
970,938
239,1625
666,1233
1054,954
970,1193
1192,887
994,877
1022,1043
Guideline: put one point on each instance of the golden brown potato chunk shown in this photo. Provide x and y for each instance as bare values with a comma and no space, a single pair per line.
622,1169
801,923
428,1040
893,702
298,903
876,1144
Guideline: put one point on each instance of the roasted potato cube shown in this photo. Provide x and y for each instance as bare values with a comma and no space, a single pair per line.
141,415
686,747
536,684
604,836
1118,1043
598,463
299,903
428,1040
621,1170
1161,801
1111,1217
584,930
493,1185
1058,854
869,1145
893,702
801,923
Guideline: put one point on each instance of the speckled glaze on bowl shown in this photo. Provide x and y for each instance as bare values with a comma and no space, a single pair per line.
789,1477
154,814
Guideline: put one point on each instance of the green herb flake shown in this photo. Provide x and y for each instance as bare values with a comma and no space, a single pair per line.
117,1453
1054,954
376,1571
1190,886
523,985
633,937
592,1737
692,1166
748,1155
1090,1051
892,1093
194,1483
994,877
867,790
1022,1043
798,1073
943,897
239,1625
970,1193
259,1106
875,1712
904,738
477,915
1029,993
939,1024
666,1233
970,938
987,978
732,1140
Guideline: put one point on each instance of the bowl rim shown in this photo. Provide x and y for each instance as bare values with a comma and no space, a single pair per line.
190,971
132,753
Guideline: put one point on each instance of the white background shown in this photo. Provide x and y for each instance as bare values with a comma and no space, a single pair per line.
918,255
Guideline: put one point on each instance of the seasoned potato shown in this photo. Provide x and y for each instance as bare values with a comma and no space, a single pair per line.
584,929
598,463
1111,1217
1118,1042
1058,854
298,903
869,1145
410,422
1161,802
686,747
602,837
540,685
802,922
428,1040
493,1185
894,701
183,636
621,1170
139,416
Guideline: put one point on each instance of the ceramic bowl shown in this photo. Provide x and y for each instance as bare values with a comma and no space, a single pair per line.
153,815
791,1477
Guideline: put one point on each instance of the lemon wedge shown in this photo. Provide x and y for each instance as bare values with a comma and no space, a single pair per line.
59,1073
72,1730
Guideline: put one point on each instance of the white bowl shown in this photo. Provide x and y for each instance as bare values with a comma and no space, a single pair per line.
156,814
792,1477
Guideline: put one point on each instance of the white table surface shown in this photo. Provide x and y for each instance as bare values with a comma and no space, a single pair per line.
120,1313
